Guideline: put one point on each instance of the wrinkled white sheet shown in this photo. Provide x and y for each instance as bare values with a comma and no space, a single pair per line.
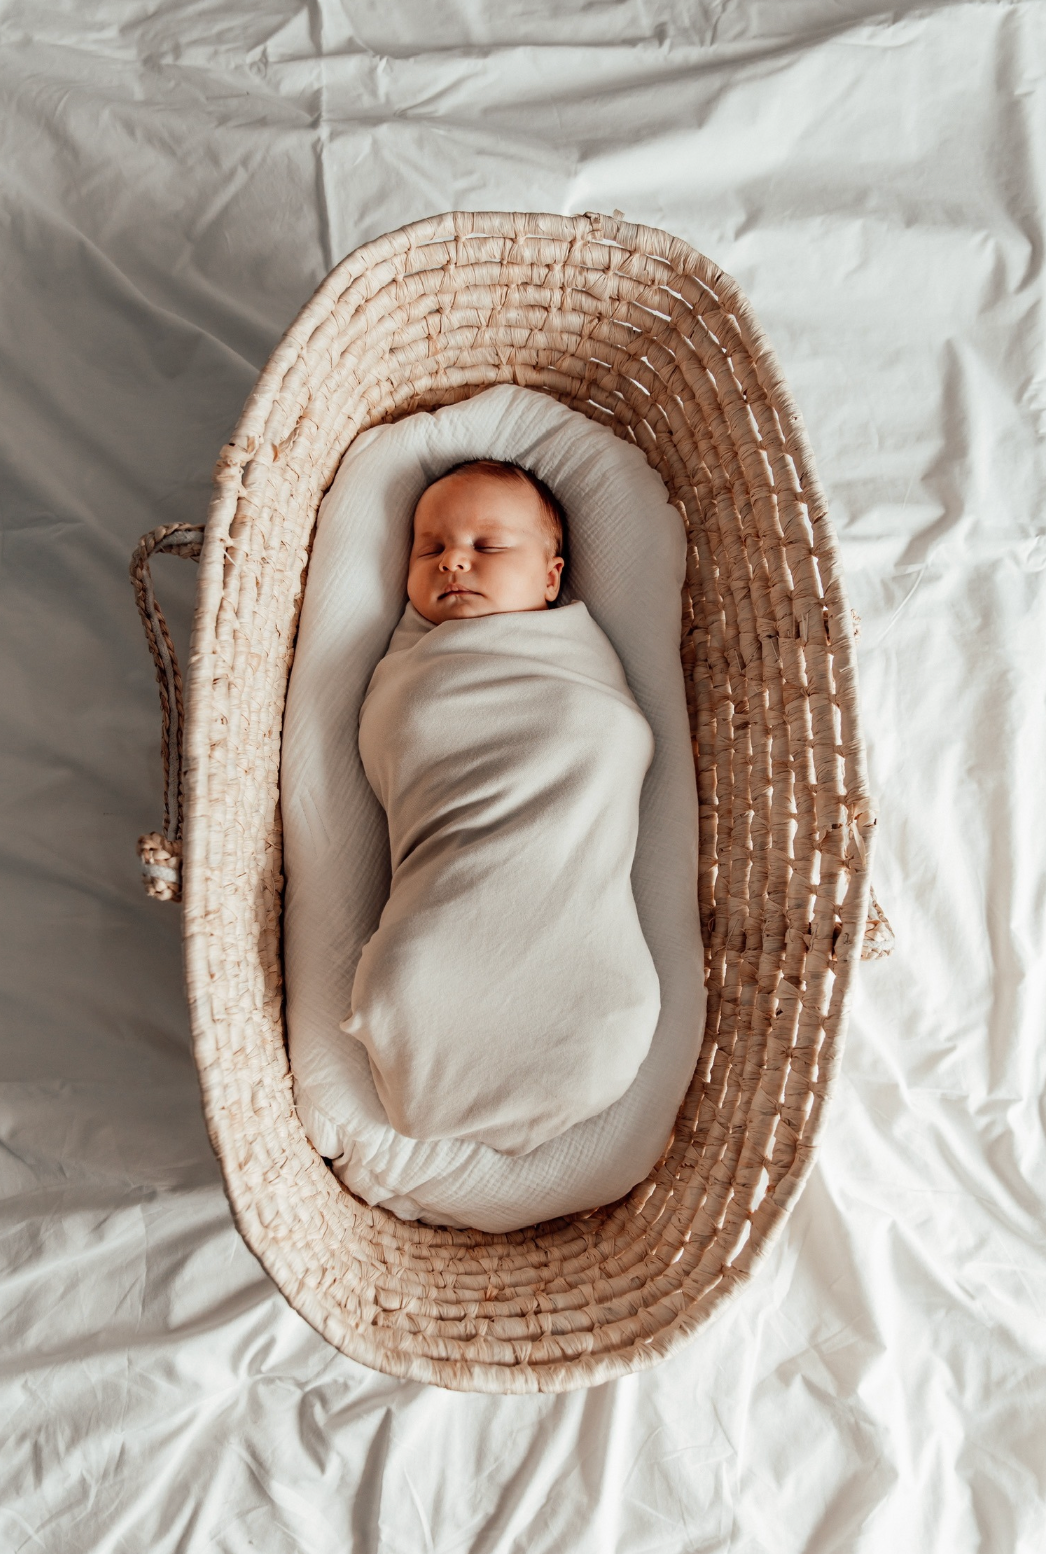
176,178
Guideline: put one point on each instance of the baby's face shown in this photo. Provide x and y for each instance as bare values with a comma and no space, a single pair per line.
481,547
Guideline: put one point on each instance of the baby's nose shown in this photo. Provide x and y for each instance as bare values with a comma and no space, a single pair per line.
454,559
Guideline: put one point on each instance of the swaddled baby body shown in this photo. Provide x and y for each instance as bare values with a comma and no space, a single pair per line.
508,992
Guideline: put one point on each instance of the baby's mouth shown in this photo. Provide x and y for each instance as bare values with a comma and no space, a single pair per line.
449,593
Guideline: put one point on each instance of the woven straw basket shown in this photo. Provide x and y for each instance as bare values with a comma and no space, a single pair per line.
634,329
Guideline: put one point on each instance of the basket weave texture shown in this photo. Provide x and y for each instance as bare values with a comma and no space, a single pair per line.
636,330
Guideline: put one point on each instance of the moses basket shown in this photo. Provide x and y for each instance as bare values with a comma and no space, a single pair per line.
638,331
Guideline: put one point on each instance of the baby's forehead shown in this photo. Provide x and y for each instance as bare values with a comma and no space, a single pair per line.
504,501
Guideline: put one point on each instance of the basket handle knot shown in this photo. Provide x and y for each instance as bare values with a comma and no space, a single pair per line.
161,858
161,851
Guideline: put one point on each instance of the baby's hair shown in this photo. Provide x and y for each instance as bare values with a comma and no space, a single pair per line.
552,508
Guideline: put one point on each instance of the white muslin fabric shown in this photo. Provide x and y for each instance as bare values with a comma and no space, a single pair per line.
627,563
508,992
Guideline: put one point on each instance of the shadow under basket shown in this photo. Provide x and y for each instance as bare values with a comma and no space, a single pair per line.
638,331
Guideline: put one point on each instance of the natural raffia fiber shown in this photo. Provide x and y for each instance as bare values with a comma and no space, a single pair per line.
878,935
636,330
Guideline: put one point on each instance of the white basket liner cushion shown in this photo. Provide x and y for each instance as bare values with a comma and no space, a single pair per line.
627,546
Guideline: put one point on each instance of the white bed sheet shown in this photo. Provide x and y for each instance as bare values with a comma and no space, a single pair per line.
177,177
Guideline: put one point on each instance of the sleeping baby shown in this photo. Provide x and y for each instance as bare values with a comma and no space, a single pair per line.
508,992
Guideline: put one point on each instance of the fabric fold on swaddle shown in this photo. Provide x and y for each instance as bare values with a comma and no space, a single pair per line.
508,992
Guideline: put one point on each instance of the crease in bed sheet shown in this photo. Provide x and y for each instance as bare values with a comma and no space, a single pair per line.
874,181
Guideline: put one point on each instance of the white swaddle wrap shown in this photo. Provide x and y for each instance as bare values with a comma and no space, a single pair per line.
508,992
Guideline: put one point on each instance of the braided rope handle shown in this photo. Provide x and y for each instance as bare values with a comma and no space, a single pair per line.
161,852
